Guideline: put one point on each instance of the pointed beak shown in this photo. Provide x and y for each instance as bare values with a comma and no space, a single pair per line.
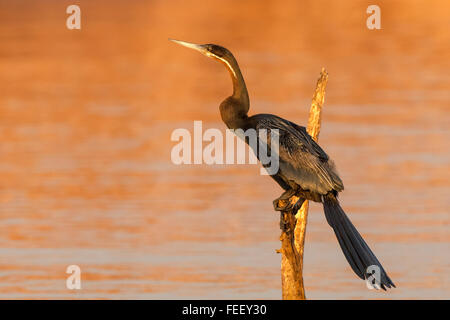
194,46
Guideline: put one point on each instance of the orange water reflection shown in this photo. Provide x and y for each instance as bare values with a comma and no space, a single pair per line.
85,124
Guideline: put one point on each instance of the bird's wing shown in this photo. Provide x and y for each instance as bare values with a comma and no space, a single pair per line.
309,141
302,160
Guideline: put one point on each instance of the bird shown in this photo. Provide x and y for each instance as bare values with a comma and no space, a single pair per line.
304,169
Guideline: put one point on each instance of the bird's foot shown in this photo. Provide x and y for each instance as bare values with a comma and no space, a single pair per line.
298,205
282,203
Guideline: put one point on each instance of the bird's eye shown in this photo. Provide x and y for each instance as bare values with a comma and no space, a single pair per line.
215,50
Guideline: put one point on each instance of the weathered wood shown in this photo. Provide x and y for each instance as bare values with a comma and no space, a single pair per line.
294,227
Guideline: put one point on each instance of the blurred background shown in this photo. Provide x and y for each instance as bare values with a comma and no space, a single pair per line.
86,118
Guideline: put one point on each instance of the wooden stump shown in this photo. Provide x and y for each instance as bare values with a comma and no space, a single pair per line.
293,225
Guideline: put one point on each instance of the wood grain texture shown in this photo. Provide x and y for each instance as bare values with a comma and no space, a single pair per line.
294,227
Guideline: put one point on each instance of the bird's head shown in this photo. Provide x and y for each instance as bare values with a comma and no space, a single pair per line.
212,51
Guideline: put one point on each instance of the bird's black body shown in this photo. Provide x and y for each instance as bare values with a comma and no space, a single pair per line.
304,167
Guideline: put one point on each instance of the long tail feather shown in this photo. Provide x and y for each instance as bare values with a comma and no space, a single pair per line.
355,249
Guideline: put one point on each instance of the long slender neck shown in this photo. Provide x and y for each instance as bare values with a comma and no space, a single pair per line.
240,92
234,109
239,88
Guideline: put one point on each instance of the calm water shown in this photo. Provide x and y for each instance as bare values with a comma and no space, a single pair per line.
85,124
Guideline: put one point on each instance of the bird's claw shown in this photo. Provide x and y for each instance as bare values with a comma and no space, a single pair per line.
297,205
286,207
286,204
